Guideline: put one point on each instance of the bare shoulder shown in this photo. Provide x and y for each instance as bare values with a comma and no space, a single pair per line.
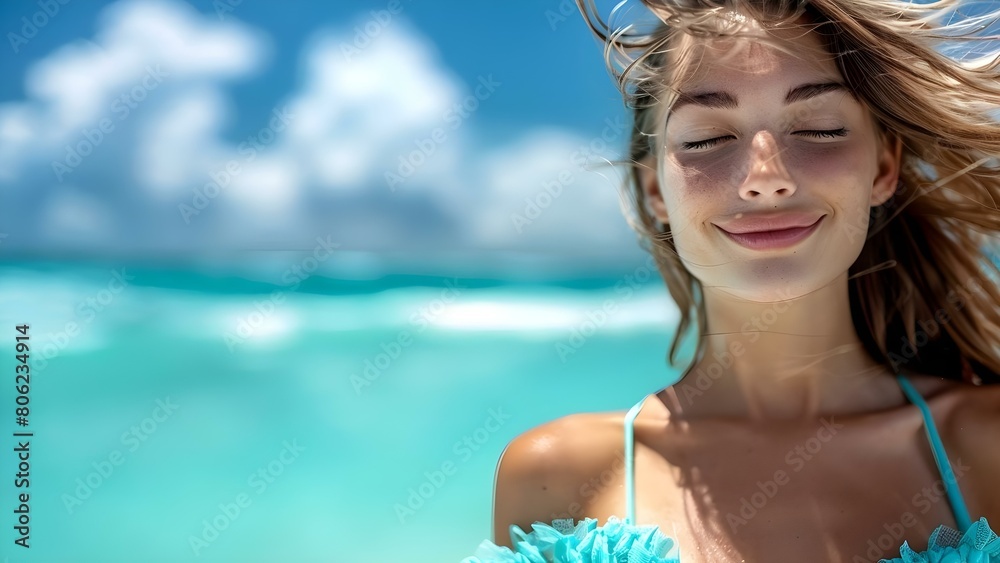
973,414
958,399
968,418
965,409
541,472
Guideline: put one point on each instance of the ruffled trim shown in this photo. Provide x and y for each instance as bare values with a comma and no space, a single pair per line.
586,542
979,544
617,541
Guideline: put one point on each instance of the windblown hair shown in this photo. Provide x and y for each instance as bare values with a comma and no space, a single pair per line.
926,276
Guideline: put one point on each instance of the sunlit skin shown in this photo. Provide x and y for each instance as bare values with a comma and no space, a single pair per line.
801,410
819,155
800,360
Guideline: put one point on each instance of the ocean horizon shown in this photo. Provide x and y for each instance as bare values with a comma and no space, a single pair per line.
191,414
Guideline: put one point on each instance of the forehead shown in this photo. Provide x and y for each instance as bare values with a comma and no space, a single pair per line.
792,48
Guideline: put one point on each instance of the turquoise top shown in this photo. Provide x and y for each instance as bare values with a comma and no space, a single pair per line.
567,541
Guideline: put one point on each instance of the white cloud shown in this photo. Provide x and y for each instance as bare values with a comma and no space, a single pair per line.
268,183
144,49
71,216
548,190
351,120
76,83
179,145
17,124
354,108
177,36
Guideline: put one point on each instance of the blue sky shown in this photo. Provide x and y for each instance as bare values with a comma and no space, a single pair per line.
162,126
515,40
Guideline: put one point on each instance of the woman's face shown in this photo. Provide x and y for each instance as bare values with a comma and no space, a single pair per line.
748,139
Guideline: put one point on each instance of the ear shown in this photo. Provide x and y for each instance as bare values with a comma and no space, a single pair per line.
650,184
889,164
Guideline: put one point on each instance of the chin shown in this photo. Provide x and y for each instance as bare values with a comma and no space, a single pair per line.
771,283
770,294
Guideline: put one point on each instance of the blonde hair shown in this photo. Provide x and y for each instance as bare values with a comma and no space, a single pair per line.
927,258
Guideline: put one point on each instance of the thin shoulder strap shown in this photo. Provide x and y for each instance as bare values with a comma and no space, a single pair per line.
958,507
629,461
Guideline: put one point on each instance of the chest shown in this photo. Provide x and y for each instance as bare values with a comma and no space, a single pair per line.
829,494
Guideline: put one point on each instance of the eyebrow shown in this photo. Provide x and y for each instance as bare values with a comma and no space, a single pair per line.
725,100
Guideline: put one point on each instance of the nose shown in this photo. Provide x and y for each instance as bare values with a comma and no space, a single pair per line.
767,177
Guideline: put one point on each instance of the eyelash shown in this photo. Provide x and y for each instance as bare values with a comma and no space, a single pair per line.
710,142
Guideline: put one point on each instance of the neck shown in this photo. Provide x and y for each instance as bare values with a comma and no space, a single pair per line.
784,359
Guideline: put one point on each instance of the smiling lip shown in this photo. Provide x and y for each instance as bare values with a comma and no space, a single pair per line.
764,240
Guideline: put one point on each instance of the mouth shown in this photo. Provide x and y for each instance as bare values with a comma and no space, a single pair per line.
767,240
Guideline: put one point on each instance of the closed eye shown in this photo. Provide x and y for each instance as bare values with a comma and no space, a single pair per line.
828,134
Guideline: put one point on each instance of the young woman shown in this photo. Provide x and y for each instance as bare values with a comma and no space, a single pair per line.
818,182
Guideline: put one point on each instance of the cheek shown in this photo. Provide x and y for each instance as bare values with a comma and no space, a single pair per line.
694,182
689,210
691,195
702,176
843,177
830,163
855,212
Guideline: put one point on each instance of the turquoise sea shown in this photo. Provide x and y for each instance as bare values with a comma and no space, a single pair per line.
190,414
